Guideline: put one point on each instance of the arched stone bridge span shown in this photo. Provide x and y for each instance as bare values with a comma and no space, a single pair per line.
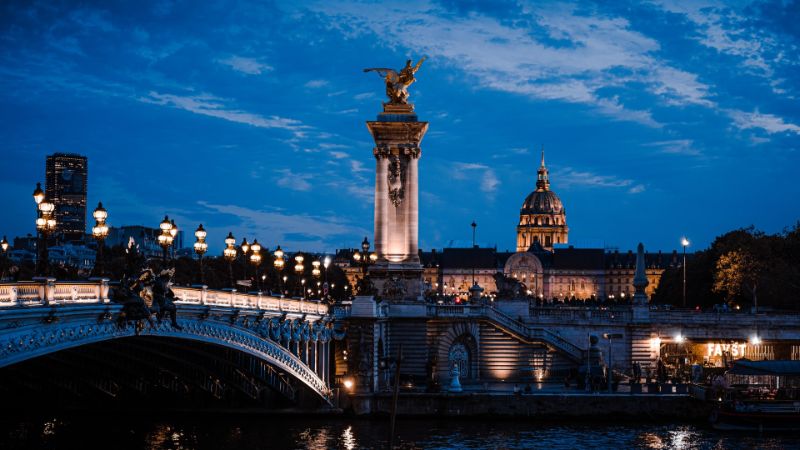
293,336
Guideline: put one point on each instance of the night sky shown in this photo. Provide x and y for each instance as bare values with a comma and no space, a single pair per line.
658,119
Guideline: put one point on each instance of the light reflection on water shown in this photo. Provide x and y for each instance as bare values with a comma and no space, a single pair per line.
282,432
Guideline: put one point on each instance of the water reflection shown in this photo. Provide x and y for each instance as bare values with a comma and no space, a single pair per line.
282,432
348,439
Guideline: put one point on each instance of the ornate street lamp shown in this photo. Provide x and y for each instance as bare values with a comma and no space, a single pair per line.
315,271
299,268
165,238
173,231
38,193
245,248
230,254
684,243
279,264
100,233
365,259
255,259
4,250
38,197
45,225
326,263
200,247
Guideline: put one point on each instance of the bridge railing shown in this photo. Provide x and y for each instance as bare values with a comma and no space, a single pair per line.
234,299
578,315
47,291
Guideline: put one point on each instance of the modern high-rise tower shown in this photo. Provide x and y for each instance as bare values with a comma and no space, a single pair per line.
66,175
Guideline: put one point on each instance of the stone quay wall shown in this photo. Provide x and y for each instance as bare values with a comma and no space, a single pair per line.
544,406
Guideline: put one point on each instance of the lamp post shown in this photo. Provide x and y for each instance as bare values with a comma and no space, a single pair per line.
100,233
200,247
316,272
255,259
365,259
230,255
38,197
245,248
279,263
45,225
173,231
4,249
326,263
684,243
165,238
299,268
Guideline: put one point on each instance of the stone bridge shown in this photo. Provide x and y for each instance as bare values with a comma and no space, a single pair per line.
253,340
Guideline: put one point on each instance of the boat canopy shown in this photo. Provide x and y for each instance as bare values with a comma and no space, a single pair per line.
773,368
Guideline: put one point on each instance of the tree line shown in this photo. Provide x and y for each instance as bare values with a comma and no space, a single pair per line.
744,267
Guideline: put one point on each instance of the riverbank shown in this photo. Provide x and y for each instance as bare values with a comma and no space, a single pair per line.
544,405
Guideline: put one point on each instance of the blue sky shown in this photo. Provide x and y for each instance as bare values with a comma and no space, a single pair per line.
658,118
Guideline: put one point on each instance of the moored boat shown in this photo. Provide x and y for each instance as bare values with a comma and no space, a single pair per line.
761,395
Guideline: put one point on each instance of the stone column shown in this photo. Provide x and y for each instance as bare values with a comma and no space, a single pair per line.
397,134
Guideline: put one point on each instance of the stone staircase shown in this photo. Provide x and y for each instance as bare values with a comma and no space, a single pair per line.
511,326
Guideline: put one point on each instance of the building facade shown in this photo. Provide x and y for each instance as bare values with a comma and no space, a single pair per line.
66,186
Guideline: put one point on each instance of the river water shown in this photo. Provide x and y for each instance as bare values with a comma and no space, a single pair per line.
111,431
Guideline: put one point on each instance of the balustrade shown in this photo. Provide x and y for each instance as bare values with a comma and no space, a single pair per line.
46,291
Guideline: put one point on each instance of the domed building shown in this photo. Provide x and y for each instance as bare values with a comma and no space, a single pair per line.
542,217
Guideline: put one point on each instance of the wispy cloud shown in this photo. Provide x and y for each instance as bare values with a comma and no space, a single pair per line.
277,226
569,177
489,182
675,146
315,84
768,122
294,181
211,106
725,29
249,66
638,189
552,52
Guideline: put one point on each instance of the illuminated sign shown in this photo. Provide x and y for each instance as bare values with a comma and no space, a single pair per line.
733,349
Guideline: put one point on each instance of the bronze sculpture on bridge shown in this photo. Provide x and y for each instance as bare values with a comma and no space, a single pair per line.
397,83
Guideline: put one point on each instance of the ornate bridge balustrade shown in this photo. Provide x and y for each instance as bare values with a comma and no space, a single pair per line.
294,336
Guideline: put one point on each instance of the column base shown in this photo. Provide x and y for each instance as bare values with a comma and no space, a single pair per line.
397,281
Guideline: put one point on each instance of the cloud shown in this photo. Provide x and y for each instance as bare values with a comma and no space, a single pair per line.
294,181
675,146
722,28
357,166
638,189
570,177
290,230
315,84
208,105
249,66
770,123
339,155
364,96
550,51
489,182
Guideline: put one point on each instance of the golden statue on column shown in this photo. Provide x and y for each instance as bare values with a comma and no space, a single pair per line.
397,83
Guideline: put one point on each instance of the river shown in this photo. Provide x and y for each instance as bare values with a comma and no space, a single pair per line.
109,431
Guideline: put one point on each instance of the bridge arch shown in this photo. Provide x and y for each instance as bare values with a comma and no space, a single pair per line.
30,342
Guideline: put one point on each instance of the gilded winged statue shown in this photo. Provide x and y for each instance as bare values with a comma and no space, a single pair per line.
397,83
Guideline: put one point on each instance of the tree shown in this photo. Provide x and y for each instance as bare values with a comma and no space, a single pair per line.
737,270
